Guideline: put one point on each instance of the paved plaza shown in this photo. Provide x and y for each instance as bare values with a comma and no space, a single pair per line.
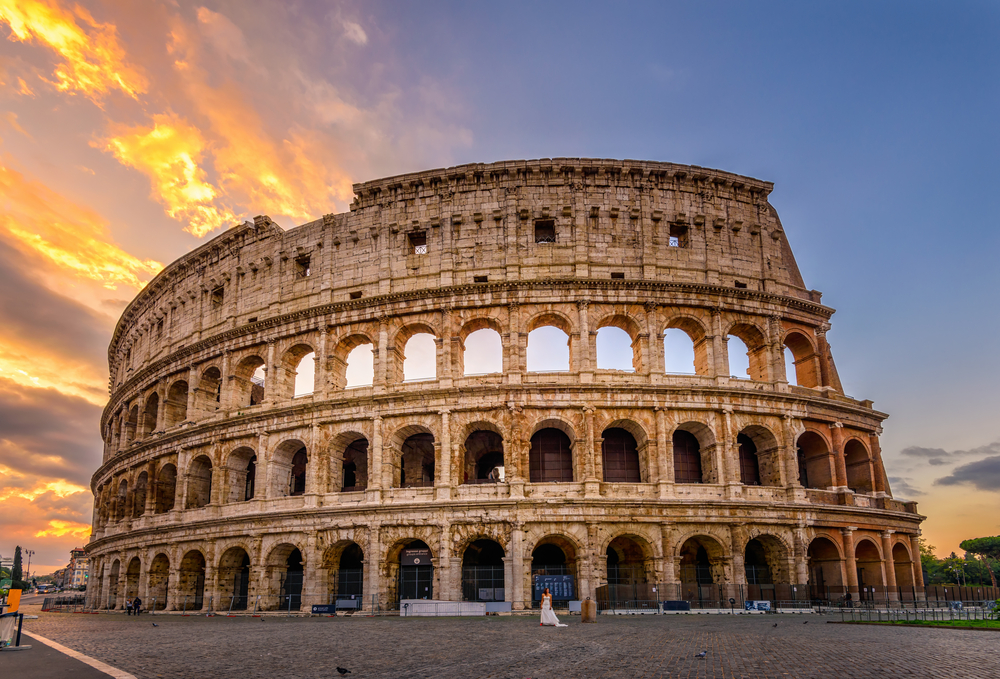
516,647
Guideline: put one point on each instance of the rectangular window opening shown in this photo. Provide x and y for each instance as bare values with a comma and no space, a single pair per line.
356,294
418,242
618,274
545,231
217,297
480,279
302,267
678,236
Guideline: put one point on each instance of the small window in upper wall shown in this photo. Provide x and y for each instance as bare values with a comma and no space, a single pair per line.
545,231
678,236
217,296
418,243
302,267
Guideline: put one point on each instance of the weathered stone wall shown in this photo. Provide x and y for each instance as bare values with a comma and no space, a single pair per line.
576,244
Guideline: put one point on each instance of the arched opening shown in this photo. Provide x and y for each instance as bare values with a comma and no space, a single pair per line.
350,573
242,474
548,346
739,358
199,483
112,601
902,565
620,456
678,353
551,457
156,590
234,579
614,350
132,424
121,500
747,352
790,375
483,457
553,565
626,563
290,597
859,467
801,361
360,369
815,461
826,574
175,405
355,467
869,564
248,382
701,561
416,461
420,358
687,458
483,352
208,396
749,467
132,578
139,495
483,572
166,488
414,570
301,370
290,462
758,571
191,582
149,414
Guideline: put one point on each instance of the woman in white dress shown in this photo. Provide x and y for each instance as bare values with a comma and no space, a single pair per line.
548,617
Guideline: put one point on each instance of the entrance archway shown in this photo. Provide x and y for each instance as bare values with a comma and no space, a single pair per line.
483,572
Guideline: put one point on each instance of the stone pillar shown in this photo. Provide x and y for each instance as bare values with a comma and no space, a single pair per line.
442,459
850,563
889,565
837,434
915,562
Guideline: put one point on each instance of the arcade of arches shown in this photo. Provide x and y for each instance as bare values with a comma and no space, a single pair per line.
512,565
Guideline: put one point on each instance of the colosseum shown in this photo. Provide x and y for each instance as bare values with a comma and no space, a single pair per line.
271,443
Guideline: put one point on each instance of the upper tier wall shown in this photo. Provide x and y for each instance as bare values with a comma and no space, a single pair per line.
635,220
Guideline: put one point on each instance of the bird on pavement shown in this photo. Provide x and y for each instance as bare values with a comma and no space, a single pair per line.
342,671
701,655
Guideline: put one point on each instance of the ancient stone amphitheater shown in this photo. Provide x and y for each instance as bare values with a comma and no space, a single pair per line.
227,484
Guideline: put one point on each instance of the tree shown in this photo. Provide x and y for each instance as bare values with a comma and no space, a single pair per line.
986,549
15,573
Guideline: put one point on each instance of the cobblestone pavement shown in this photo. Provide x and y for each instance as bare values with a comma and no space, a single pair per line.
516,647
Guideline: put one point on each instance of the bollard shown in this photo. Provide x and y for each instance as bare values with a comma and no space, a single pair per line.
588,610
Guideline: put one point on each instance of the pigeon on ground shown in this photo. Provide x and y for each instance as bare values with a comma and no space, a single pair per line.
342,671
155,625
701,655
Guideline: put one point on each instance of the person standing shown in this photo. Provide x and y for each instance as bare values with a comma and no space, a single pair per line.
137,605
548,617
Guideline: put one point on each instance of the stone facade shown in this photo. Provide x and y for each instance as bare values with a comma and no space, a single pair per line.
216,484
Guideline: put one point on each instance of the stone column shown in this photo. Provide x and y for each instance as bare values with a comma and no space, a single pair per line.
442,459
850,563
889,565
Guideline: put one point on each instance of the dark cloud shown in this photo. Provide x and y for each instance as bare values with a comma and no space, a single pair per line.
33,315
901,486
939,456
982,474
48,433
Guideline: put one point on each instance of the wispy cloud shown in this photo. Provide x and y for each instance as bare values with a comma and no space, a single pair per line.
93,59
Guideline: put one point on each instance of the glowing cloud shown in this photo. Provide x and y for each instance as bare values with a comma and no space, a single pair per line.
169,153
72,237
93,59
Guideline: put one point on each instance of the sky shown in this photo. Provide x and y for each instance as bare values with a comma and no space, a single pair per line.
130,133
